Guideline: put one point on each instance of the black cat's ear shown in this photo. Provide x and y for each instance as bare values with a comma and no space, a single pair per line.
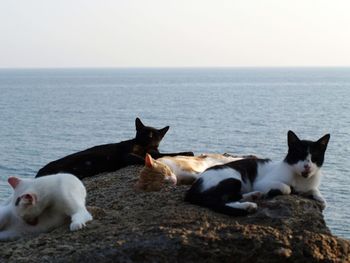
292,138
324,140
139,125
163,131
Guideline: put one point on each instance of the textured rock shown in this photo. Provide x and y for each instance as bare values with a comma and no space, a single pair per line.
132,226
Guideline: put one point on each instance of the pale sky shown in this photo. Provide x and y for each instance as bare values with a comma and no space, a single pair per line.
174,33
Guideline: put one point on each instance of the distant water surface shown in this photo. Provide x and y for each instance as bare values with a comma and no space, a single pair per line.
49,113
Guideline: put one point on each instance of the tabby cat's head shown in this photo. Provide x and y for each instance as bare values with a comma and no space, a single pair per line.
155,175
306,157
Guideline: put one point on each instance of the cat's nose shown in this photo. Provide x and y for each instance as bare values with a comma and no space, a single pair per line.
307,167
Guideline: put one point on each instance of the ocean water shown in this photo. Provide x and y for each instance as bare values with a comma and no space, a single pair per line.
46,114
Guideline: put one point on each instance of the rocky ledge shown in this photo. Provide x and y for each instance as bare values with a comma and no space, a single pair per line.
132,226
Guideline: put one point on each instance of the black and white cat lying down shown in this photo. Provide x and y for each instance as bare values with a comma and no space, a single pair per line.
231,188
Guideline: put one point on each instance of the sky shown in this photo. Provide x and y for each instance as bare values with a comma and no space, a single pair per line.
174,33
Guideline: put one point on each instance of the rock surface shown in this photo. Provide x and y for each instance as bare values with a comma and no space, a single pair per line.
132,226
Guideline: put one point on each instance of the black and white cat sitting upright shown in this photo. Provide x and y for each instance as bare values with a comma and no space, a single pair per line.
231,187
113,156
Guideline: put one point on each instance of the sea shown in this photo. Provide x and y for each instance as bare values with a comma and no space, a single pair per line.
46,114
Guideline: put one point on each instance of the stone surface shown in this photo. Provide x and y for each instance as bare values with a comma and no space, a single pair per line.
132,226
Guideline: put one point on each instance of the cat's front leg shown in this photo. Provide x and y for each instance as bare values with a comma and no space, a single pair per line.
273,188
316,195
79,219
278,188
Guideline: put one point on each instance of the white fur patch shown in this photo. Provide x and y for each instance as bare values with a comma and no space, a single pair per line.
79,219
248,206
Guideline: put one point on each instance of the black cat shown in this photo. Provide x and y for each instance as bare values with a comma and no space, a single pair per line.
113,156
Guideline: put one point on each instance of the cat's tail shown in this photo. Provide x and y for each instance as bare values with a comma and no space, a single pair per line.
234,208
48,169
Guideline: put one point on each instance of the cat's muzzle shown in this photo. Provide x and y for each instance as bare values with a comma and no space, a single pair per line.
306,174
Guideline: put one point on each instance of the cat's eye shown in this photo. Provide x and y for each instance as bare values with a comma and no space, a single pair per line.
17,201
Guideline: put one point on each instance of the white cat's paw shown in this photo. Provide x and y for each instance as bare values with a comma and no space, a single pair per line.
74,226
88,217
251,207
79,220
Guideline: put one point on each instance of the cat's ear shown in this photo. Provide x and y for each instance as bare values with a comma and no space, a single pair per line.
149,161
163,131
292,138
139,125
13,181
324,141
29,198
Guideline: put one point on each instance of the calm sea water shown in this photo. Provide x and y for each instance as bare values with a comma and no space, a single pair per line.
47,114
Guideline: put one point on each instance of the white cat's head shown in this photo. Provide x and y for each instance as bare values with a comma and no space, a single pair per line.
306,157
155,175
24,201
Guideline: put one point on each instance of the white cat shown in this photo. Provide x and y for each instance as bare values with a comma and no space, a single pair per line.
42,204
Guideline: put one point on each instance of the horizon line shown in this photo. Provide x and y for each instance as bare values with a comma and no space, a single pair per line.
171,67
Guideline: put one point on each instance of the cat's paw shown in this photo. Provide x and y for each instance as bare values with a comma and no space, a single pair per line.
252,196
79,220
279,189
251,207
74,226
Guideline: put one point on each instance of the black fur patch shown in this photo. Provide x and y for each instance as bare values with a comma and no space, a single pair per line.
17,201
216,197
248,168
274,192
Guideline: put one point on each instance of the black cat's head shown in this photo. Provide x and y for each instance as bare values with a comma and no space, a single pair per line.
306,157
149,137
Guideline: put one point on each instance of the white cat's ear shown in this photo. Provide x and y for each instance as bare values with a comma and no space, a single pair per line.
149,162
324,140
139,125
29,198
292,138
13,181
